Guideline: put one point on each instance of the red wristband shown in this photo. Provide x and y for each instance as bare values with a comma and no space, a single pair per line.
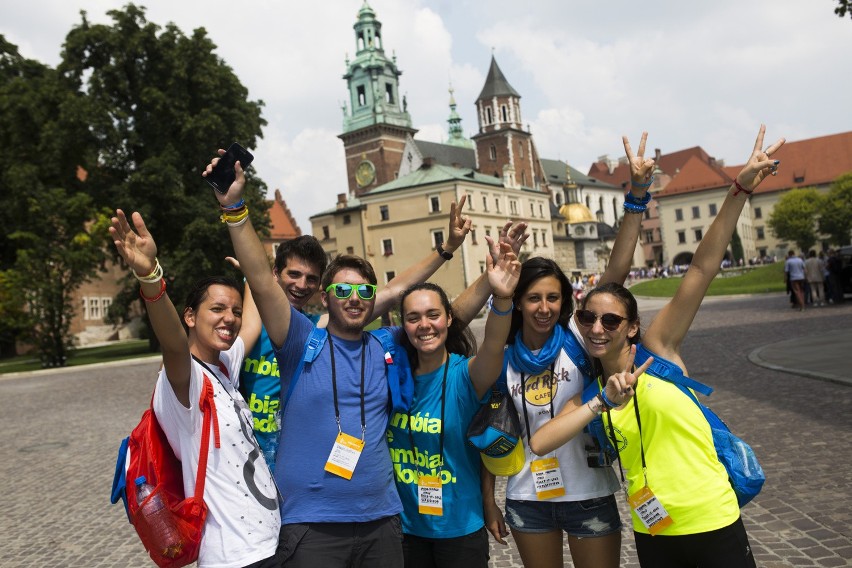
741,188
158,296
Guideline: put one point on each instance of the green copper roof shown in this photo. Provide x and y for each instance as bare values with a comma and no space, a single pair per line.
429,175
496,84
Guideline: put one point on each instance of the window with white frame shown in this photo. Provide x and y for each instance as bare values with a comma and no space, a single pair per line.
434,204
389,275
387,247
513,206
384,213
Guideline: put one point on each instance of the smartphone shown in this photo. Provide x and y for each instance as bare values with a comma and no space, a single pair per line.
223,175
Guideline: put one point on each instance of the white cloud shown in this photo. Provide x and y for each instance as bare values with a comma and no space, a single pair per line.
690,73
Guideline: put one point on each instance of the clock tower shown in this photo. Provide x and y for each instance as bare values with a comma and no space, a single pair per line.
376,122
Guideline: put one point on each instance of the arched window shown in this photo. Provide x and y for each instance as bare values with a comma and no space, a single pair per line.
493,152
488,116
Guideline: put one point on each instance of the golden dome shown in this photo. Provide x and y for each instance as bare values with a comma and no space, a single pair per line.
576,213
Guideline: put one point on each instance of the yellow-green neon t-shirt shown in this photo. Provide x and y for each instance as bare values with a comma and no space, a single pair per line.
683,470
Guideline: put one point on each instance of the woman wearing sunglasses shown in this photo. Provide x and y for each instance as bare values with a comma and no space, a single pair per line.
435,469
570,490
664,441
243,521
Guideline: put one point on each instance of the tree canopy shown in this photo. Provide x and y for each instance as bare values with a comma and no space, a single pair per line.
128,119
835,211
793,217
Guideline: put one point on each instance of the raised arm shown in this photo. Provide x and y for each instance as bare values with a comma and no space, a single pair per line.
388,297
471,300
270,298
641,177
503,276
250,330
140,253
666,332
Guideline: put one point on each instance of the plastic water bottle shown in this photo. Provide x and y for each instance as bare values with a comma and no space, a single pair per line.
161,523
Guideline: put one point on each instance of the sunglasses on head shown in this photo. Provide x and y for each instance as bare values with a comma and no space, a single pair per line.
610,322
342,290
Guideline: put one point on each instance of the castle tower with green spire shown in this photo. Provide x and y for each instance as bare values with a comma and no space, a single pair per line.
375,120
456,137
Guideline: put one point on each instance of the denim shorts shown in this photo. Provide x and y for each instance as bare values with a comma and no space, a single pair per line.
581,519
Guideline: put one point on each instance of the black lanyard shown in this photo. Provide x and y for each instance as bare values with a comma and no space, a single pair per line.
441,435
334,386
524,397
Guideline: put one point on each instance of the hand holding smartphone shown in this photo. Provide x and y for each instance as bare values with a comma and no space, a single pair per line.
224,174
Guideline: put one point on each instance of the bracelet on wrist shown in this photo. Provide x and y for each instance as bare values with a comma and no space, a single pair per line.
741,189
238,205
505,312
158,296
155,274
234,219
596,405
607,402
645,185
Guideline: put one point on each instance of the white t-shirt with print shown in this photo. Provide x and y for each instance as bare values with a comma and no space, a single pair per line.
581,481
243,519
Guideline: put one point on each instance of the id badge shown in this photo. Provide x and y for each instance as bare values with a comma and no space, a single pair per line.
650,511
344,455
430,495
547,478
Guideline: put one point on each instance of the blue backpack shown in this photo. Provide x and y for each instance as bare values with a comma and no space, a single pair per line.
400,380
744,471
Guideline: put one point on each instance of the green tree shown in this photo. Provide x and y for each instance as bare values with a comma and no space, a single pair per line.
737,247
794,217
835,211
162,103
843,7
62,250
43,254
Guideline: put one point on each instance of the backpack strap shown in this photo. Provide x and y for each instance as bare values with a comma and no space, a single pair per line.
316,341
400,380
578,355
668,371
208,407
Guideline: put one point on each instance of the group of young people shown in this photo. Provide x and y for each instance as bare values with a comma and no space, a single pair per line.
368,459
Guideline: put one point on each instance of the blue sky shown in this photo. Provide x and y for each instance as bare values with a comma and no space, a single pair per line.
691,73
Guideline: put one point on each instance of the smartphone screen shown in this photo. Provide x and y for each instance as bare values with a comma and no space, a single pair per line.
224,174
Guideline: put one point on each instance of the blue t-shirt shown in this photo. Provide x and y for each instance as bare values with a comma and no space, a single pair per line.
462,498
260,385
309,429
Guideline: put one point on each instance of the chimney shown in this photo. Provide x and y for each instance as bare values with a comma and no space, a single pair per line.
657,155
427,162
341,200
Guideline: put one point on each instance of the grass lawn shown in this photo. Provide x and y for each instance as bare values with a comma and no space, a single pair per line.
760,280
84,356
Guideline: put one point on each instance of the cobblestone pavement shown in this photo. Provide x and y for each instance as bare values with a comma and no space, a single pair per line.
61,431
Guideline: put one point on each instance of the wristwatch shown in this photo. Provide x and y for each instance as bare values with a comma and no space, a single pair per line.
445,254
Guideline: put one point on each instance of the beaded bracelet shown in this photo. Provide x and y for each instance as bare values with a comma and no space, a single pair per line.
155,274
505,312
741,189
158,296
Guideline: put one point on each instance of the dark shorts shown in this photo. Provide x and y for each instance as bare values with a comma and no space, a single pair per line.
370,544
581,519
468,551
727,547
